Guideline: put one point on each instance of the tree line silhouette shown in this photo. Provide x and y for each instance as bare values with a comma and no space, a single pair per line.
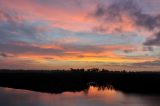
74,80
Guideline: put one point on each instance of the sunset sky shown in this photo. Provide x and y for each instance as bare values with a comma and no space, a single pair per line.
64,34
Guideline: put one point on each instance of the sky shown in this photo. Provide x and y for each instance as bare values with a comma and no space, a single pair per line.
64,34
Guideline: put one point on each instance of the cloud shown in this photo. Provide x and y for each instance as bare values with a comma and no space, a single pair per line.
10,17
15,27
83,48
127,16
19,37
121,11
148,63
57,13
153,41
62,51
148,48
5,55
49,58
53,50
22,49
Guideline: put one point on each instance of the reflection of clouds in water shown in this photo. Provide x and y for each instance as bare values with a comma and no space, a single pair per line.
11,97
94,97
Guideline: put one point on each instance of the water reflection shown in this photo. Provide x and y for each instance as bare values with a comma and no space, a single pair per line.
94,96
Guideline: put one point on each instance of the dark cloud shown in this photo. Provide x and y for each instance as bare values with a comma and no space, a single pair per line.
153,41
114,13
128,51
148,48
148,21
49,58
100,11
5,55
148,63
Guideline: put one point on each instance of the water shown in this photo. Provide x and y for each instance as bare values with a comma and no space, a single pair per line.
91,97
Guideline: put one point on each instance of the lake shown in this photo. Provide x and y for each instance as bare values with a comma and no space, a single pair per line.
90,97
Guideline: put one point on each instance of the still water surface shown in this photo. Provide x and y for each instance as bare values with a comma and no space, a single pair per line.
91,97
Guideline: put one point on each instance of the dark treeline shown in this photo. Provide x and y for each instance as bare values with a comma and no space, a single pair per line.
58,81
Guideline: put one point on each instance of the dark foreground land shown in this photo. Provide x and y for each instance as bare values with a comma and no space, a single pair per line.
79,80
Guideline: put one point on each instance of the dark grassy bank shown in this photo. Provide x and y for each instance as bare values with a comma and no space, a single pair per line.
79,80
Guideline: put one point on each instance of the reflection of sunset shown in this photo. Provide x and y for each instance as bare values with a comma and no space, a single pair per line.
108,94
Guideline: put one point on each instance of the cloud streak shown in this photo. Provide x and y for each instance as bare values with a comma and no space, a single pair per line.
6,55
148,63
